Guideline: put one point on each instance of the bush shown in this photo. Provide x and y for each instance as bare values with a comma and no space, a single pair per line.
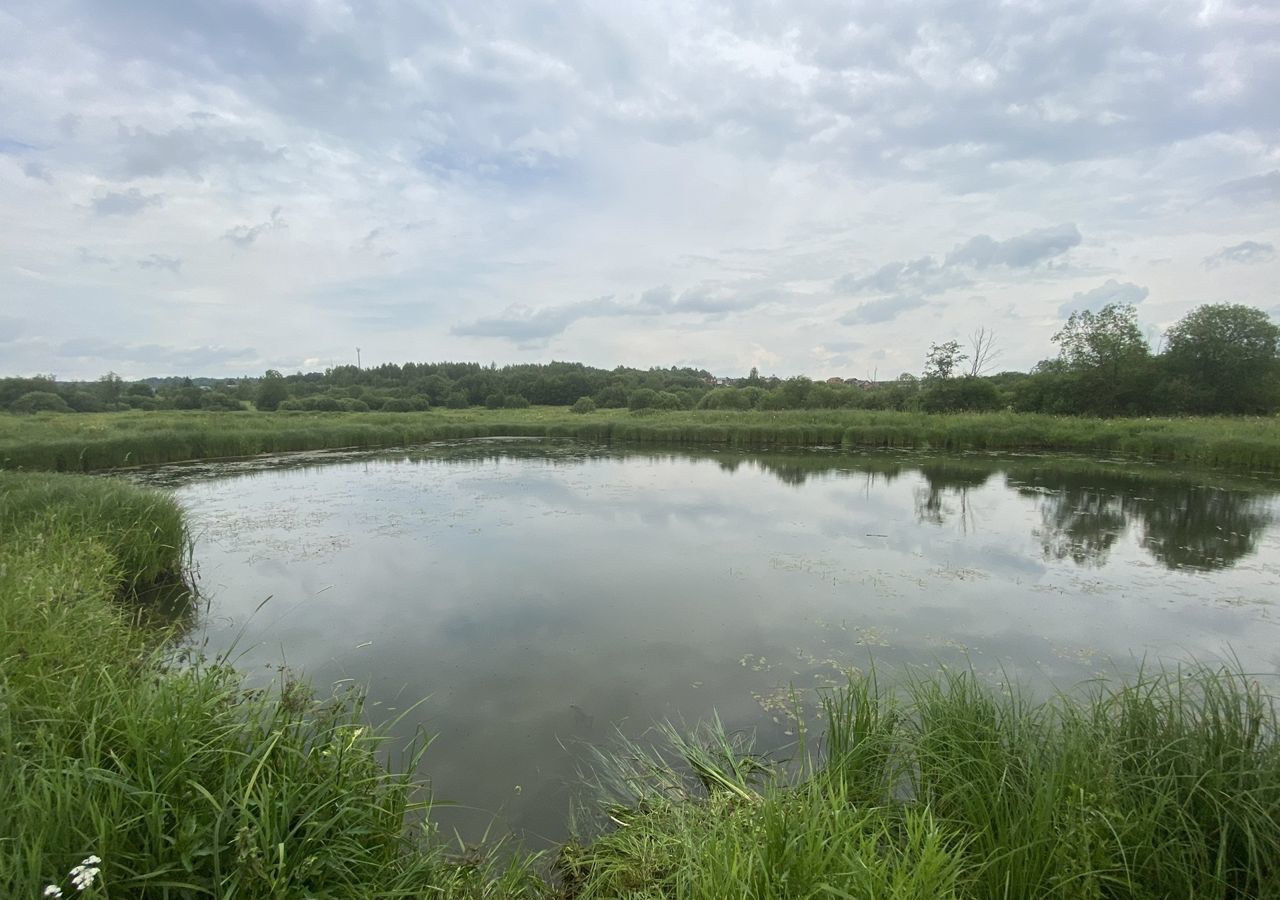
515,401
397,404
457,400
493,401
352,405
583,406
39,401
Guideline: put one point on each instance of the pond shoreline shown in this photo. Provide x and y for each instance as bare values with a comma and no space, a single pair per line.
1164,787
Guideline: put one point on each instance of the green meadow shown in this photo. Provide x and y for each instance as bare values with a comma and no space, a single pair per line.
97,441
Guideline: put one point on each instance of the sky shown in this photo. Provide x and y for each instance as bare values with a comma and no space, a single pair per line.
219,187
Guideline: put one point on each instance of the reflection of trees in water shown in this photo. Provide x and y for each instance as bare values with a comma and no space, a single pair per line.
1204,528
1085,507
1184,526
943,482
1081,525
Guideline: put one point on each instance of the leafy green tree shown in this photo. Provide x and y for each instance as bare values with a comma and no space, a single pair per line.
1107,360
110,388
583,405
272,390
943,360
1222,358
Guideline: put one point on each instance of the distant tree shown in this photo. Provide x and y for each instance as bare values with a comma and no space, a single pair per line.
754,379
943,360
457,400
1223,358
493,401
583,405
642,398
271,391
110,388
139,389
515,401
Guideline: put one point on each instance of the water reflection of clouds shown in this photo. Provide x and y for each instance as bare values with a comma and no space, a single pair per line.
537,601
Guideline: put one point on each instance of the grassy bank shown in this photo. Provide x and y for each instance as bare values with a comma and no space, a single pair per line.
182,782
1168,787
187,785
94,442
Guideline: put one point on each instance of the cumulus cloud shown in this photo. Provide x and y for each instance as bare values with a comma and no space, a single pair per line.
1019,252
125,203
564,151
905,284
1244,252
245,235
1112,291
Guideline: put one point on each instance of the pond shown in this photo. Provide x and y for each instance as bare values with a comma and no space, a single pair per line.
543,596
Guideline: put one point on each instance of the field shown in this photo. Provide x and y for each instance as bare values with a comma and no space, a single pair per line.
93,442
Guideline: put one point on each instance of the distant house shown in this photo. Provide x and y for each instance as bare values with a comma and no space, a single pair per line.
836,381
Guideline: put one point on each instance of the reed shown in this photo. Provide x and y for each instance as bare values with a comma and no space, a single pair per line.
1166,786
94,442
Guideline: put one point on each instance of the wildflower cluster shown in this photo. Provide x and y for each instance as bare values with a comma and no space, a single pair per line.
82,877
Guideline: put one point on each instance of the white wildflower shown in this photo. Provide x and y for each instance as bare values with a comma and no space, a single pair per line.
84,875
53,891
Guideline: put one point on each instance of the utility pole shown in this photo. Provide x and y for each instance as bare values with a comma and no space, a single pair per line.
357,357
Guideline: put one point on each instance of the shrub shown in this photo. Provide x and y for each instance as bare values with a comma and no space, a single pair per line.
583,406
39,401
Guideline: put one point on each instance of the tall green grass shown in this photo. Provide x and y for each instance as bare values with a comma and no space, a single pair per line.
183,782
86,443
1165,787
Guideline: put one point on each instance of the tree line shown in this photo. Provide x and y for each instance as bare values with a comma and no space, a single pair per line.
1219,359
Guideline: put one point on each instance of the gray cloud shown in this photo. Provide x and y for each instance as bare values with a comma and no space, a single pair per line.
1111,291
708,299
37,170
245,235
886,309
1017,252
1244,252
919,276
147,154
160,261
525,326
172,359
1263,188
125,203
905,284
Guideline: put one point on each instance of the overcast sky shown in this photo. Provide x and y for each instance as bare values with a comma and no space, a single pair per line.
219,187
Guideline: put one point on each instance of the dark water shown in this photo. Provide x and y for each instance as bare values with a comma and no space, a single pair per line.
540,595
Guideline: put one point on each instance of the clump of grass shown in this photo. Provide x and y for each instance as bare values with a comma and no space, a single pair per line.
180,780
1165,787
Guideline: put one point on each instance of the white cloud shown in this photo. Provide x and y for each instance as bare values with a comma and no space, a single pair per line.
458,178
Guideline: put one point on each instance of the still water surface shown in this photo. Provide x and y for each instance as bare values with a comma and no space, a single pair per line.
541,595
